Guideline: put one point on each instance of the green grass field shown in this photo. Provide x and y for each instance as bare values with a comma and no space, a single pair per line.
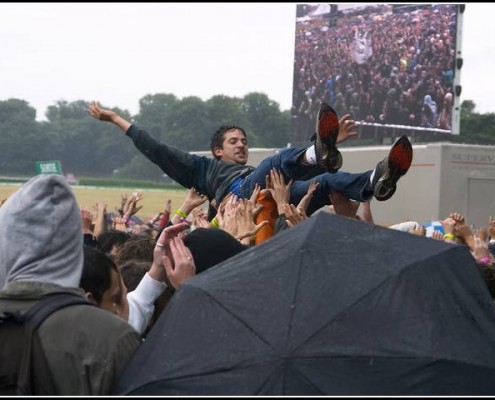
153,200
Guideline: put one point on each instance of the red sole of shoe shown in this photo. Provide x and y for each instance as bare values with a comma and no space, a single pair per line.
328,125
401,157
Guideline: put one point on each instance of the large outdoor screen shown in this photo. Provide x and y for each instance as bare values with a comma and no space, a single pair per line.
385,64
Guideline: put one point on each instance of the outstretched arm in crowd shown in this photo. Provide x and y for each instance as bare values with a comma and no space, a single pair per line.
96,111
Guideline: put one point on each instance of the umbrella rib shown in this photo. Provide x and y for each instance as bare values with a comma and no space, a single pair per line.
277,370
296,290
237,318
369,293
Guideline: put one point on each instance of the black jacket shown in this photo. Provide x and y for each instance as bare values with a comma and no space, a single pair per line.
209,176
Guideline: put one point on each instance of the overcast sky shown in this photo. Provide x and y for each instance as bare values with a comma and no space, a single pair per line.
118,53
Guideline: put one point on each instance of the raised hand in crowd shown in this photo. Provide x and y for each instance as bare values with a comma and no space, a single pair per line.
165,215
154,220
100,220
236,217
458,218
293,215
192,200
304,203
437,235
199,218
226,215
254,197
482,233
218,221
481,252
172,254
279,190
86,220
463,231
449,229
119,223
131,207
123,202
347,128
245,217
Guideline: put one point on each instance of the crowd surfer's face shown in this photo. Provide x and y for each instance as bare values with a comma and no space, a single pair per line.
234,148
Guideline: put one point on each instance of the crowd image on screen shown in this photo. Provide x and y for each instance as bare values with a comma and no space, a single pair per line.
382,64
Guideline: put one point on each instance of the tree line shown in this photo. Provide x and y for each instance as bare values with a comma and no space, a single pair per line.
87,147
90,148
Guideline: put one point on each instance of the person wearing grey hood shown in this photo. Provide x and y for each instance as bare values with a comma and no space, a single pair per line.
41,252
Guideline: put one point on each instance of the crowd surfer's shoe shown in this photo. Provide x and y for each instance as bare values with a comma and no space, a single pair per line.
327,130
392,168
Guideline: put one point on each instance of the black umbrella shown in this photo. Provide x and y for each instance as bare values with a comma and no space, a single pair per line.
333,306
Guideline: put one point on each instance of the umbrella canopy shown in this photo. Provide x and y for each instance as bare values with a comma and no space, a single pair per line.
333,306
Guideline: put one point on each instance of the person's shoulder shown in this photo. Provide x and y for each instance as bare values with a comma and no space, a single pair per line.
87,317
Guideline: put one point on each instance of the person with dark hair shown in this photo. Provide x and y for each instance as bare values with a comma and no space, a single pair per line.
111,240
103,284
132,272
228,172
105,287
137,247
217,142
41,254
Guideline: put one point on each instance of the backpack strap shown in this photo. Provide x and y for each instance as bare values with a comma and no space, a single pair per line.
35,376
50,303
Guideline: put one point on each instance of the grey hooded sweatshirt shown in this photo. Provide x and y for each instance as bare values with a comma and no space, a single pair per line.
40,234
41,252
